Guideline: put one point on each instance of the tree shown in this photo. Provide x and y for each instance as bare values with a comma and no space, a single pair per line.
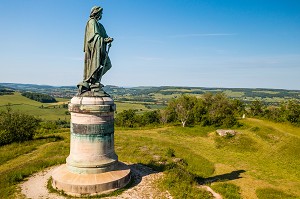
150,117
293,112
127,118
238,106
183,107
220,110
164,115
274,113
39,97
199,111
256,108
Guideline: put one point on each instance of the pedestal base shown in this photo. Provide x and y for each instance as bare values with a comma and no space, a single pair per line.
90,184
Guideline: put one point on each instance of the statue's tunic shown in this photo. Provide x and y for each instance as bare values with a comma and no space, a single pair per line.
95,51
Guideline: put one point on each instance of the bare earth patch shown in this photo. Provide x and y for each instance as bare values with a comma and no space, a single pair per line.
144,185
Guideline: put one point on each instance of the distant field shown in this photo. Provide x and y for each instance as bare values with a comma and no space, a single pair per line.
55,111
48,111
121,106
165,93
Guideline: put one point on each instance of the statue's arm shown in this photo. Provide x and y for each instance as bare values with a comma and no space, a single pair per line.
102,32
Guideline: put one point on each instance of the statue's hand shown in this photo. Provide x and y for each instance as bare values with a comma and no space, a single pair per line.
108,40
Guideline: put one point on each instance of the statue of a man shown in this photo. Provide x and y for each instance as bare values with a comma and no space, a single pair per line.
96,60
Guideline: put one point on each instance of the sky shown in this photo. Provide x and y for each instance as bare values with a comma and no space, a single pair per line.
196,43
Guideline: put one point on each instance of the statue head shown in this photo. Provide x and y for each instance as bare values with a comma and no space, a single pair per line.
96,12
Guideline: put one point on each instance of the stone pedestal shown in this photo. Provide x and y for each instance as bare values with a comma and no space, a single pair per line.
92,167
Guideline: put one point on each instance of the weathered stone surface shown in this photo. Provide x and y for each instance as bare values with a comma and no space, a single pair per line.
223,132
92,166
75,184
92,135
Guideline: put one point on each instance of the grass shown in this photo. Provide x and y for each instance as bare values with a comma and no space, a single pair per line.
227,190
270,193
240,143
262,159
181,184
121,106
14,150
38,154
268,156
51,111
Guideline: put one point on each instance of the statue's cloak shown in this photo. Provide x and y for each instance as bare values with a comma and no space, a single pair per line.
95,50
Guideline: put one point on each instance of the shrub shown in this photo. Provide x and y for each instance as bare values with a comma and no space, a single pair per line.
16,127
182,184
127,118
150,117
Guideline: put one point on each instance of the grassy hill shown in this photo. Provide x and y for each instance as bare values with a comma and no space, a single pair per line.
48,111
261,161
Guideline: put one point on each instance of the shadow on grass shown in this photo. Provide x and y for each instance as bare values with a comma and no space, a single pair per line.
53,138
221,178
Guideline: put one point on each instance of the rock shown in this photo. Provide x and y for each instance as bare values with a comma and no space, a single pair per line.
223,132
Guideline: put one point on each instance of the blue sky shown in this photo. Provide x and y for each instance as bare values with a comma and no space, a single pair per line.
205,43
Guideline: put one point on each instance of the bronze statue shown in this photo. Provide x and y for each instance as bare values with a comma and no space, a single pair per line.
96,59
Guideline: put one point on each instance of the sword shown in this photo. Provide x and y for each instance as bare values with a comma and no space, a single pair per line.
105,60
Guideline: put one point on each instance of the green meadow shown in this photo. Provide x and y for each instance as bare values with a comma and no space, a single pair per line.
262,159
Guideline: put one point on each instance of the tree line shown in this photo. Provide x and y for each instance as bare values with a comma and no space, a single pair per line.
216,110
5,91
210,110
288,111
39,97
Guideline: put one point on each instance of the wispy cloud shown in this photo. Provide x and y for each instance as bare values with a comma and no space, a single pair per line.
203,35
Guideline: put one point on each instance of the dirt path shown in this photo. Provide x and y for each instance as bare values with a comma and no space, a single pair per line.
144,186
36,186
215,195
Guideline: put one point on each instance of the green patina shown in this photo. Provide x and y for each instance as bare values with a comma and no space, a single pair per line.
94,138
93,129
80,108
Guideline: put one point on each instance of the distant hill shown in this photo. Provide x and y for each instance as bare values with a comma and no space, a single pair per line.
163,93
54,91
6,91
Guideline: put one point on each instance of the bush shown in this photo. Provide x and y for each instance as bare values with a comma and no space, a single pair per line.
182,184
127,118
16,127
150,117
